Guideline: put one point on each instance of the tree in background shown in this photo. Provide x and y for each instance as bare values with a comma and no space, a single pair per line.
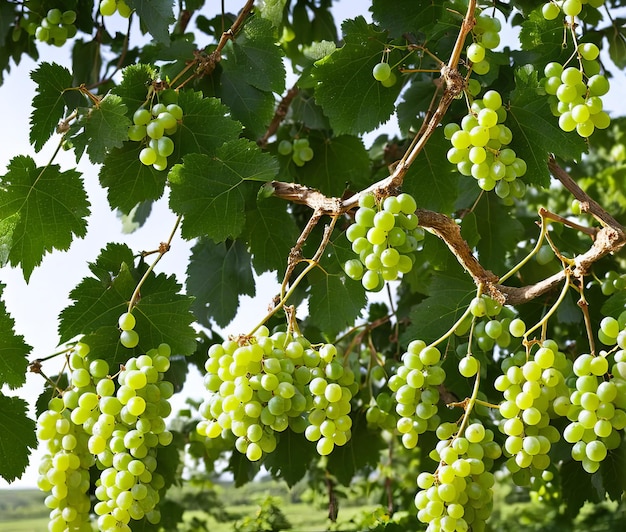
450,316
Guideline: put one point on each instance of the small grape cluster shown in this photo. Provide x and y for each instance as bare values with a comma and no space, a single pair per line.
117,428
415,391
570,8
109,7
530,385
486,33
480,148
152,126
56,27
613,282
299,150
576,93
458,496
261,385
382,72
385,237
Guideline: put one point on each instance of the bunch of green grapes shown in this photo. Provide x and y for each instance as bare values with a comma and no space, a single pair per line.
613,282
261,385
459,494
570,8
531,386
576,92
56,27
114,426
300,150
385,237
109,7
415,391
480,148
486,35
152,127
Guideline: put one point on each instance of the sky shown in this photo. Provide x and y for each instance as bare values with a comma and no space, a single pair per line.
36,305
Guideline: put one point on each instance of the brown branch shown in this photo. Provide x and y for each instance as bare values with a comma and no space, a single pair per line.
279,115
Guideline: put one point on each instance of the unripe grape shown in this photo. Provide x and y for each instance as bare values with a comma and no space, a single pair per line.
381,71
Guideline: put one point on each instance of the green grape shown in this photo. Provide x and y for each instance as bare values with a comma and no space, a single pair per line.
550,11
284,147
108,7
126,321
476,52
588,51
129,339
381,71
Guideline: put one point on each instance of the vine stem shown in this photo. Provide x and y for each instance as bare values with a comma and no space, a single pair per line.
164,247
553,308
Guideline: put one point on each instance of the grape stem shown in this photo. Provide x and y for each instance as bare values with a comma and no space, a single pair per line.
584,307
553,308
164,247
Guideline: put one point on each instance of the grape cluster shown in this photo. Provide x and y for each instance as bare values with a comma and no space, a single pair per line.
385,237
261,385
570,8
115,427
299,150
56,27
480,148
576,92
415,391
458,496
531,386
109,7
382,72
152,127
486,33
613,282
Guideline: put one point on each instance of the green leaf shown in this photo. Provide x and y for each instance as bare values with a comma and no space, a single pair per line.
617,46
339,162
128,180
336,300
613,470
450,292
256,46
291,459
406,15
536,134
217,275
106,127
242,469
430,179
162,312
615,304
17,437
155,16
41,209
350,96
133,89
576,487
362,450
211,192
499,232
541,39
13,350
272,10
48,104
270,248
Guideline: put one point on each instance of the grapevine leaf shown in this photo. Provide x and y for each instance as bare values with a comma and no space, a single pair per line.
133,89
106,127
338,162
162,313
536,133
617,46
350,96
336,300
155,16
242,469
434,185
613,469
253,107
17,437
272,10
268,246
48,104
291,459
205,126
405,15
576,487
362,450
211,192
450,292
256,47
615,304
217,275
13,350
541,39
41,209
129,181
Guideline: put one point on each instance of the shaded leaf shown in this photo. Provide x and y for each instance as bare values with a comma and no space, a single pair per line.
291,459
17,437
41,209
155,16
13,350
217,275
